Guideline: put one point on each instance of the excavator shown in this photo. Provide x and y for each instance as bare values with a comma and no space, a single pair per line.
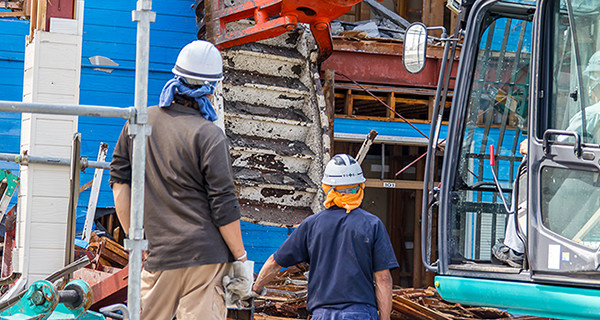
527,77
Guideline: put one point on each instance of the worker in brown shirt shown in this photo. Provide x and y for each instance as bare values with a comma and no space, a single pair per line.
191,212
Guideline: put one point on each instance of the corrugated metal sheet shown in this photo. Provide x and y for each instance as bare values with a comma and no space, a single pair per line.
388,131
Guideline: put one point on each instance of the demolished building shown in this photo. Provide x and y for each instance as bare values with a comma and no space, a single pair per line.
276,112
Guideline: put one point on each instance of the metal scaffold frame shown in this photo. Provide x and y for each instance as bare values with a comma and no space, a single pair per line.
138,129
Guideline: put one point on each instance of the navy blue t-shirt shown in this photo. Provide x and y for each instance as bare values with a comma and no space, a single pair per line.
343,250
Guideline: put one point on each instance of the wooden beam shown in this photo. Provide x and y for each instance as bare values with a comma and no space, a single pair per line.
394,184
264,317
430,105
12,14
426,12
391,101
27,7
418,268
364,148
416,310
453,19
423,102
32,18
402,8
41,15
384,88
437,14
365,12
349,102
11,5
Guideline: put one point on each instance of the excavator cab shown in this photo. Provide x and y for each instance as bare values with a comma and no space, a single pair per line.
527,74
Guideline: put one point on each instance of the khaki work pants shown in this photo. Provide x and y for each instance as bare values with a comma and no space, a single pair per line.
190,293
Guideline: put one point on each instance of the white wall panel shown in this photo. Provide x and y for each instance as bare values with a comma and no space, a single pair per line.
52,64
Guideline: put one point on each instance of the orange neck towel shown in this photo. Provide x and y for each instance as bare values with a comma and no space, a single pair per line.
348,201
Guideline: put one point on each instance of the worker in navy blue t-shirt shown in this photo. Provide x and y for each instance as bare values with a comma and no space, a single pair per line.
348,249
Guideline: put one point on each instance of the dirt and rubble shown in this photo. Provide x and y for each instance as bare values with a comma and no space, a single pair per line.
270,214
285,298
274,50
280,146
265,111
107,274
242,77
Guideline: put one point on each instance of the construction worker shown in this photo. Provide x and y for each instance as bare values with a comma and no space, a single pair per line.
191,212
511,250
592,113
348,250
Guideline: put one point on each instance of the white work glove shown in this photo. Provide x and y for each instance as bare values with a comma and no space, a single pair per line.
238,284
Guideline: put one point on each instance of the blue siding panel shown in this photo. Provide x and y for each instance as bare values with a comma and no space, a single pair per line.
175,26
384,128
109,32
12,51
262,241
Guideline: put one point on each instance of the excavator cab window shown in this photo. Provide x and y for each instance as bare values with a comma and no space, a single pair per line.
564,167
496,114
570,197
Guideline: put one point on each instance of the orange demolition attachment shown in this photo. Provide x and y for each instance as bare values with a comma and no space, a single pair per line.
272,18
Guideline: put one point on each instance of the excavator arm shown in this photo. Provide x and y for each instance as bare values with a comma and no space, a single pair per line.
272,18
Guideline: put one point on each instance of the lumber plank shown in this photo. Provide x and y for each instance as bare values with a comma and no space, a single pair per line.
265,317
12,14
428,313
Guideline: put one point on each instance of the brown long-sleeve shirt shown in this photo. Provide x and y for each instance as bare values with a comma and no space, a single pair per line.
189,190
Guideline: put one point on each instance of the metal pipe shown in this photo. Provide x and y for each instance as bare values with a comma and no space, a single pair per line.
78,110
73,200
26,159
429,167
139,128
382,161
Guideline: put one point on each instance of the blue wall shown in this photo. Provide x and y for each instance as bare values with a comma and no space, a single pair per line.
108,31
12,38
385,128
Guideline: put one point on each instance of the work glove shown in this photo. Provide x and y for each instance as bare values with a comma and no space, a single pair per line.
238,284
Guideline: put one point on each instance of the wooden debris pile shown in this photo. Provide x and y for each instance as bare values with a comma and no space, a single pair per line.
107,253
285,295
107,272
285,298
408,303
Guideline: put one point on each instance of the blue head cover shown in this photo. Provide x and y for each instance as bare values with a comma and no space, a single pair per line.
176,85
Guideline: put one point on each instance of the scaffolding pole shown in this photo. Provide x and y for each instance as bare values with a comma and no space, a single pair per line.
76,110
139,128
24,160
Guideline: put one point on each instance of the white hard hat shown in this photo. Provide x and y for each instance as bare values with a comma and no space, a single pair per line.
199,60
593,64
343,170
